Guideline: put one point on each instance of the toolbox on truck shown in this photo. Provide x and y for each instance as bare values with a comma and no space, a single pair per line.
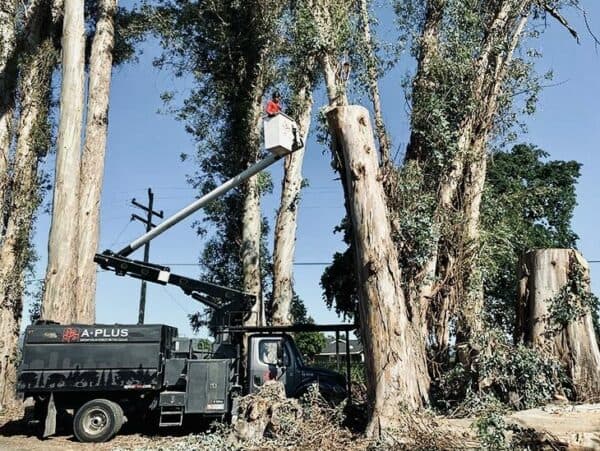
92,357
207,390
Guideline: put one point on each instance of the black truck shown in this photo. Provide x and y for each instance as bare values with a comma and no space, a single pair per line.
106,373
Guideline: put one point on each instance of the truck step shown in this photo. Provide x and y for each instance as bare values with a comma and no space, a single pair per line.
171,416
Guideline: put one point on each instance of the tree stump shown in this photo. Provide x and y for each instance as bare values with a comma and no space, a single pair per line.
554,314
260,413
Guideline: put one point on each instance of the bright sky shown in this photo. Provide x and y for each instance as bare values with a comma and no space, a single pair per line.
144,148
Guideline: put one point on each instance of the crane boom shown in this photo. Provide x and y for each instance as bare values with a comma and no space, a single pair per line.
199,203
283,139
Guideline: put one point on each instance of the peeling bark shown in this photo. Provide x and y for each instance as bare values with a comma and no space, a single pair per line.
92,160
394,349
15,249
252,223
547,282
470,321
60,302
287,219
8,75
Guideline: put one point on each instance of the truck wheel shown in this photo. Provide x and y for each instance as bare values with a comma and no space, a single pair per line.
120,416
97,421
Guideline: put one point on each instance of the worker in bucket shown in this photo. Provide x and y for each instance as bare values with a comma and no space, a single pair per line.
273,106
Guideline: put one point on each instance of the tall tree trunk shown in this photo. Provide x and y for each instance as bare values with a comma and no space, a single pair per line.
32,144
60,302
287,217
92,161
394,350
252,220
471,294
555,317
8,75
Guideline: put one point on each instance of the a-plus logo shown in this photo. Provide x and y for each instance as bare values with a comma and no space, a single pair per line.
70,334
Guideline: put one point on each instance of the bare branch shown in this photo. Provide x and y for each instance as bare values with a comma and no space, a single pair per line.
589,29
560,18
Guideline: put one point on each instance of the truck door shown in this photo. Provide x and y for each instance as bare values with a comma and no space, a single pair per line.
267,361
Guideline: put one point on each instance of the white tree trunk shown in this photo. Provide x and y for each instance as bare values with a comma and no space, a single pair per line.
252,221
92,160
547,278
287,220
60,302
471,294
394,350
15,250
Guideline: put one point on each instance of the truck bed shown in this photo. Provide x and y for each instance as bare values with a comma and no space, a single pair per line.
93,357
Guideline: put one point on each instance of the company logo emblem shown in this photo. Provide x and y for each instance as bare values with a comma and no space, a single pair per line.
70,334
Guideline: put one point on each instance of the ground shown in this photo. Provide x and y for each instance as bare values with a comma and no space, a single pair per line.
16,434
568,427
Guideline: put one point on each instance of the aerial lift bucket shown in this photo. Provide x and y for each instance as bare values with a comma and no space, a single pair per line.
281,134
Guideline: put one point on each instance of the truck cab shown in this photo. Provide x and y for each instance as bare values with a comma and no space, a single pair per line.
276,357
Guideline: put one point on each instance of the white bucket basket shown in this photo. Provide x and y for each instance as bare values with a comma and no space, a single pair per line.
279,133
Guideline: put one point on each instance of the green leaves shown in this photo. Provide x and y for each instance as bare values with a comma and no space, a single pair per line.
528,203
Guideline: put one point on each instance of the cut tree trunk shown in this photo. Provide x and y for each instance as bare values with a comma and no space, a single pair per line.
553,314
92,161
60,302
287,219
394,350
15,251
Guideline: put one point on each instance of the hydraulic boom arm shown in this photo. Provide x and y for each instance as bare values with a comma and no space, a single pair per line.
212,295
221,299
196,205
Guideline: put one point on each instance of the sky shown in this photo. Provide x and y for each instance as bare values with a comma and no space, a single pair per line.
144,147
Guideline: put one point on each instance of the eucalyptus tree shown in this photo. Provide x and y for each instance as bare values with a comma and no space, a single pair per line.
468,71
37,61
60,301
9,13
229,48
395,353
92,159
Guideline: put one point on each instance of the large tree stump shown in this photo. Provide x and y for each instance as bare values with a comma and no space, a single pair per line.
553,314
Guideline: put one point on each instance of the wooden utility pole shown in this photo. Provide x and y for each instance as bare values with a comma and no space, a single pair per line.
149,225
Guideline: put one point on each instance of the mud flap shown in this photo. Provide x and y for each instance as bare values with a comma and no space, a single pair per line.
50,424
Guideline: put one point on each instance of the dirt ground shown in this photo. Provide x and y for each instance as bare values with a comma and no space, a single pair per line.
17,434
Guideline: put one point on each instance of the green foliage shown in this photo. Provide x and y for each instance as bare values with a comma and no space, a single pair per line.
310,343
490,428
229,49
528,203
513,376
574,300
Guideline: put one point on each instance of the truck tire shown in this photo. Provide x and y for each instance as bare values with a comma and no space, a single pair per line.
97,420
120,416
